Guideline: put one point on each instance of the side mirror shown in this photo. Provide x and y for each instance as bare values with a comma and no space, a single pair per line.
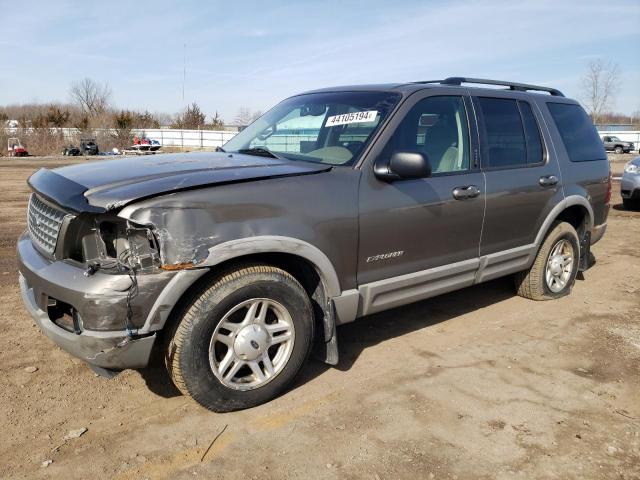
267,132
403,165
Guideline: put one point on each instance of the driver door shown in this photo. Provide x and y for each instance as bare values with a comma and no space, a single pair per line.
421,237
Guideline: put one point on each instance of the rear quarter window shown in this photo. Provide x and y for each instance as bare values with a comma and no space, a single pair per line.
579,136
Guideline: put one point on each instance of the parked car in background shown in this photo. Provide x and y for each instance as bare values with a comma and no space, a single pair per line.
88,146
70,151
614,144
630,185
336,204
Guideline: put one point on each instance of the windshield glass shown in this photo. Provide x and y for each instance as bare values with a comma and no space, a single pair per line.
330,128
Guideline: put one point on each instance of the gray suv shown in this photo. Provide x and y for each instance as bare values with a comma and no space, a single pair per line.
614,144
335,204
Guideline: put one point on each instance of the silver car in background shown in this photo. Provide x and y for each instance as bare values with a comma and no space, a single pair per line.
630,185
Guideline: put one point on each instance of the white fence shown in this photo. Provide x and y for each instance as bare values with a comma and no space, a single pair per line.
166,137
189,138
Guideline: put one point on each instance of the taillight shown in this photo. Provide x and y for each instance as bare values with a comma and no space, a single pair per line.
607,199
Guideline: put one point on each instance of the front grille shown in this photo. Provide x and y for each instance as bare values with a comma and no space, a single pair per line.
43,222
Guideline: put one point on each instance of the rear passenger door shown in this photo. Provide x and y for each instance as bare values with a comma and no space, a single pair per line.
523,180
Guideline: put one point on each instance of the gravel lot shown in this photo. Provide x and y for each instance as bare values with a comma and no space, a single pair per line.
474,384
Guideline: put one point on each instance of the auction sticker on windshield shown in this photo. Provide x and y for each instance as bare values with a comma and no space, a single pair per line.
353,117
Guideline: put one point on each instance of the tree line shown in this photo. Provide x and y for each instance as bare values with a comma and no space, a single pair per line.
90,107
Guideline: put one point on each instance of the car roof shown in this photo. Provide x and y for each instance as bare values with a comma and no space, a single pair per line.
410,87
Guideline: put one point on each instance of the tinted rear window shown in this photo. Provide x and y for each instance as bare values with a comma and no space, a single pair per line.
578,134
504,133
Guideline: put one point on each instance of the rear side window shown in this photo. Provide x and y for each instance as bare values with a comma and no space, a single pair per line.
578,134
504,133
532,134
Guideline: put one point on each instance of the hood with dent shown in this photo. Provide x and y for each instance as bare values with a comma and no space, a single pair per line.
109,184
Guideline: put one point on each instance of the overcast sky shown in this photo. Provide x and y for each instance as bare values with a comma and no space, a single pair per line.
253,54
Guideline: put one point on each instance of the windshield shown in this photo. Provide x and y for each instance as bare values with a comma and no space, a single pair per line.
330,128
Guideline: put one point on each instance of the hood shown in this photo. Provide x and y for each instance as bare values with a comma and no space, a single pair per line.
107,185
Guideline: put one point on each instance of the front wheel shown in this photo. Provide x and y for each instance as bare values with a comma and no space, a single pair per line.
554,270
242,340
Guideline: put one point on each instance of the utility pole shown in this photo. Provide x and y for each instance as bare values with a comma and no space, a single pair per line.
184,69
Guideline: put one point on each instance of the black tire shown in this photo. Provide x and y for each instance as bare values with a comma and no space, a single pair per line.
631,204
531,283
187,348
618,150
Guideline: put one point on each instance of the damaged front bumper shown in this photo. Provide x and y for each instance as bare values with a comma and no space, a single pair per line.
98,304
106,349
112,350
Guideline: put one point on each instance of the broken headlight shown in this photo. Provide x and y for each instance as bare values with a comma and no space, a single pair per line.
111,243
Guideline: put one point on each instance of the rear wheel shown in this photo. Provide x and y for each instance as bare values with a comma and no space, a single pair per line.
555,268
619,150
242,340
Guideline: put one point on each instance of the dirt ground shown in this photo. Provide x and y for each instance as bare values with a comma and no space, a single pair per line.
474,384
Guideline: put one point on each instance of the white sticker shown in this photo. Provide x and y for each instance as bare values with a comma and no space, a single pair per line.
353,117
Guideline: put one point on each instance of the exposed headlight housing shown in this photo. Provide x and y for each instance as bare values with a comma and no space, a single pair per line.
631,168
112,244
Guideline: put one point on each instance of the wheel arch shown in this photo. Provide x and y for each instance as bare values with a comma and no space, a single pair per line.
285,250
305,262
575,210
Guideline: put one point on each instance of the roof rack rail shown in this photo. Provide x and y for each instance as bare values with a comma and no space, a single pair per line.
522,87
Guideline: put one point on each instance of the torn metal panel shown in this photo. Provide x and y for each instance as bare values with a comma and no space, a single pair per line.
192,226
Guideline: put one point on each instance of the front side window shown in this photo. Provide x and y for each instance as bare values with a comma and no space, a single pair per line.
331,128
437,127
504,133
579,136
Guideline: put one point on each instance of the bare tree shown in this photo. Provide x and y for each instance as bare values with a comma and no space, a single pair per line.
599,86
92,97
243,117
256,115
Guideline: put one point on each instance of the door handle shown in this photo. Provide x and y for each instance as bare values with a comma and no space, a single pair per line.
464,193
548,181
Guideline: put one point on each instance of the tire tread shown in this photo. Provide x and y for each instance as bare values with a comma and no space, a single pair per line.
181,331
530,283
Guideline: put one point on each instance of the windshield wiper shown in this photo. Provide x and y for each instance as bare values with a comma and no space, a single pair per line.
260,152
